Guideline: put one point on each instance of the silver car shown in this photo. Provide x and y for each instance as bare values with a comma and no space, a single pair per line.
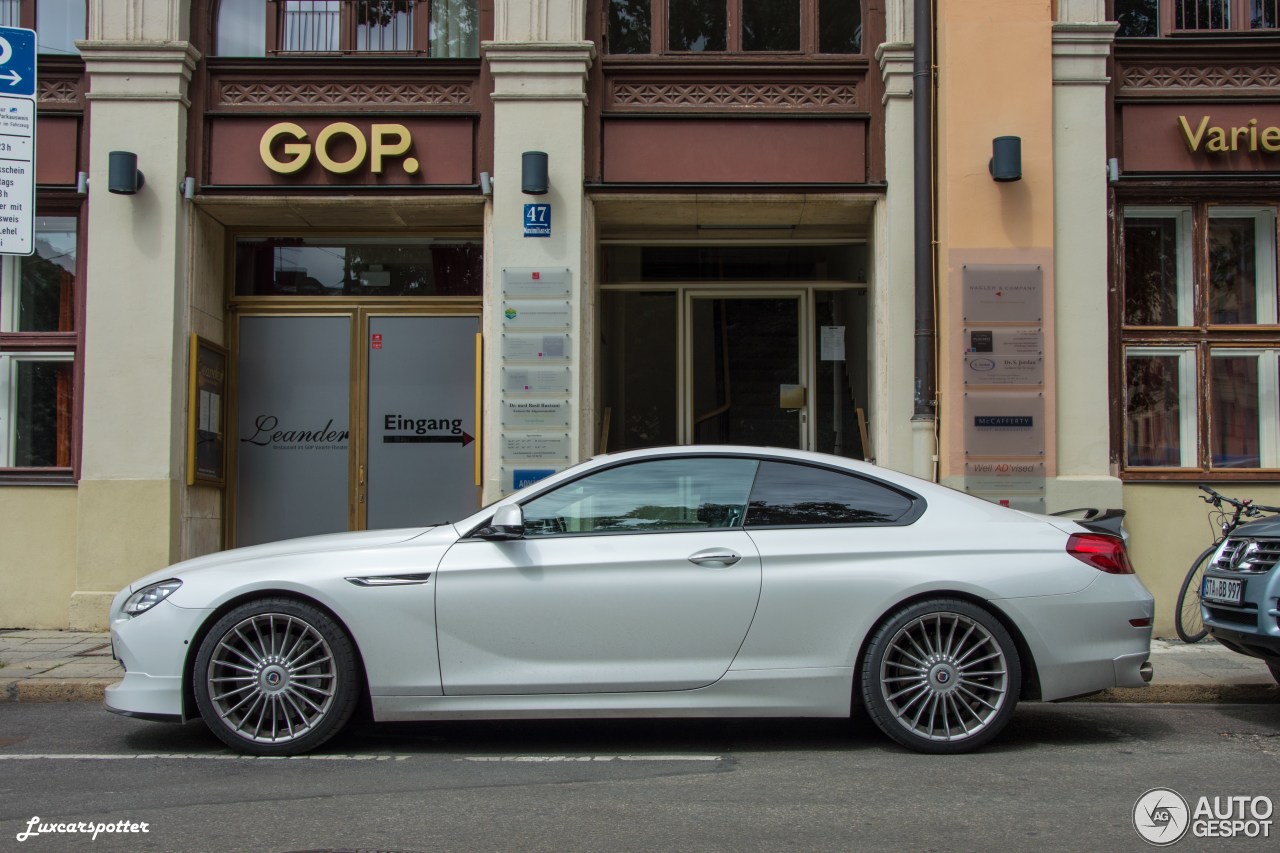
692,581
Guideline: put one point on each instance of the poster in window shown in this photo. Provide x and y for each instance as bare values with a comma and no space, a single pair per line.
206,434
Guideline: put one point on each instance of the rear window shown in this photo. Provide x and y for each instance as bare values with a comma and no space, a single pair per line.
787,495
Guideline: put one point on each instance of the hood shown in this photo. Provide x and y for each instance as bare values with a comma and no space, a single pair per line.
1264,528
327,543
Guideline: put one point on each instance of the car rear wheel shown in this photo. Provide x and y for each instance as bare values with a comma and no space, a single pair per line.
941,676
276,677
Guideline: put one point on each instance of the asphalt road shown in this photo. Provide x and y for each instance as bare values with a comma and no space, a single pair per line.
1062,777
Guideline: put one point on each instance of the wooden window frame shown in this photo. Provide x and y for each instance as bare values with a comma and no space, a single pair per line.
1202,339
347,28
67,345
659,19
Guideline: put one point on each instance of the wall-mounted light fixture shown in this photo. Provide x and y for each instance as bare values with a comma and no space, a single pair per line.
123,176
533,173
1006,159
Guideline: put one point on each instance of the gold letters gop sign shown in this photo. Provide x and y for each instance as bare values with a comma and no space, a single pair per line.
384,142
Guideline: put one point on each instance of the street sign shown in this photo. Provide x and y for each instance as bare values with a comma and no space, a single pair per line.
17,141
537,220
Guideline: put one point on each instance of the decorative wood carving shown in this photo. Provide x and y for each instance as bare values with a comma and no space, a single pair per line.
55,92
784,96
1254,78
243,93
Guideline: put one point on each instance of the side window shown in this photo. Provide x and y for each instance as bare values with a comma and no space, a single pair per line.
38,348
662,495
787,495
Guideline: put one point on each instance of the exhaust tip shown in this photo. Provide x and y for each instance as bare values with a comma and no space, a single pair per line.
1146,671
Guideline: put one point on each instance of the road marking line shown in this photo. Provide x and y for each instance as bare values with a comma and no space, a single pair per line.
535,759
199,756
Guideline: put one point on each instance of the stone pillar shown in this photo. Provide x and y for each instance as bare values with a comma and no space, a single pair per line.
129,496
897,440
1081,46
539,62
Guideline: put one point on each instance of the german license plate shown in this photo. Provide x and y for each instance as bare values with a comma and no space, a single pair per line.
1223,590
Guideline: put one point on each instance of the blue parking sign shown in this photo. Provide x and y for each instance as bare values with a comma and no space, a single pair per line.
17,62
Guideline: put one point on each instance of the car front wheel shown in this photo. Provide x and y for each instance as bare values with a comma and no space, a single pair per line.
941,676
276,677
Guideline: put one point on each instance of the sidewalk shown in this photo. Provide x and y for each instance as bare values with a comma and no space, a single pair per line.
71,666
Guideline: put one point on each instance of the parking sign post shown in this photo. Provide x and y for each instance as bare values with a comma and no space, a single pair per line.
17,141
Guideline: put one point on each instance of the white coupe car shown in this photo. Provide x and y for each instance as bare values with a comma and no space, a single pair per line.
692,581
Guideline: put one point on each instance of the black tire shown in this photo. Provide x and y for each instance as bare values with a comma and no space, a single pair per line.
1187,620
276,677
922,660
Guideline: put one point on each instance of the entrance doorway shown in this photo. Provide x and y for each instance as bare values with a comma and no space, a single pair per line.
776,366
746,379
354,419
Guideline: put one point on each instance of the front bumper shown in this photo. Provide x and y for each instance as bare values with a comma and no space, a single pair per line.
153,649
1253,627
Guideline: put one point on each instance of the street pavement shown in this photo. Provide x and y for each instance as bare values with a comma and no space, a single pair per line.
76,666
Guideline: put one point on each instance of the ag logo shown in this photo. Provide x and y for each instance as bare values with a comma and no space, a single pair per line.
1161,816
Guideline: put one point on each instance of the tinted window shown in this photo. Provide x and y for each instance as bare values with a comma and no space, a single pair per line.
787,495
662,495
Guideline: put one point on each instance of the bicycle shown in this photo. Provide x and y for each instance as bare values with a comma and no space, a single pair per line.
1188,620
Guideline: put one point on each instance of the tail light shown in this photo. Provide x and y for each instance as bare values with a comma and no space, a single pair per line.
1104,553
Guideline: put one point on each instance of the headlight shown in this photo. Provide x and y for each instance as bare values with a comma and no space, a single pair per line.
149,596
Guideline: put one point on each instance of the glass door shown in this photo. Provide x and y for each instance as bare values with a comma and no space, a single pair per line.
293,416
421,461
354,420
745,370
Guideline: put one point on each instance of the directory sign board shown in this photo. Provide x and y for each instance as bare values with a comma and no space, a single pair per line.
17,141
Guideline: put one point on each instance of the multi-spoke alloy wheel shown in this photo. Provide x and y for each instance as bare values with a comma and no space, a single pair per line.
941,676
275,677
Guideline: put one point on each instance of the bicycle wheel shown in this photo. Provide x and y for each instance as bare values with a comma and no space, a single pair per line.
1186,619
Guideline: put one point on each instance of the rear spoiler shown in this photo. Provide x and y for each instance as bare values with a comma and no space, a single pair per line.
1108,521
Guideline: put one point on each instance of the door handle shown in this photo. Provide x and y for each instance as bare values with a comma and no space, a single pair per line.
715,557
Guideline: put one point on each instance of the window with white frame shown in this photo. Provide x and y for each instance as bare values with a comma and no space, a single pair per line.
38,347
443,29
1151,18
1200,332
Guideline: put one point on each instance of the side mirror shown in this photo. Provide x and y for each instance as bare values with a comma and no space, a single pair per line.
507,523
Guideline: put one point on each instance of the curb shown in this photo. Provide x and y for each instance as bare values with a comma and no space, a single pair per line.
55,689
1190,694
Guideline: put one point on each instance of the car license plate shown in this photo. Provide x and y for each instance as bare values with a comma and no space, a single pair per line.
1224,590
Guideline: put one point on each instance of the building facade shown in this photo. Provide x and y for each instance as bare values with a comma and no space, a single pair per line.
391,260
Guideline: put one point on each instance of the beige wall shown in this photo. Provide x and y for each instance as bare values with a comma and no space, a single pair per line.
129,496
1168,527
38,558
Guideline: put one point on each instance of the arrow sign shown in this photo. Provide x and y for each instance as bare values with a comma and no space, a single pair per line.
18,61
463,439
17,140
